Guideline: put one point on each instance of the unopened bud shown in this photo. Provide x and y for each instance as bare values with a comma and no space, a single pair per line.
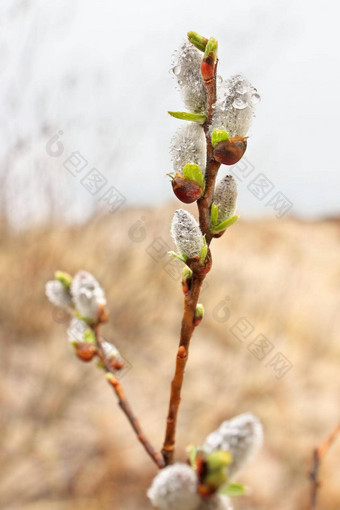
113,356
64,278
199,312
186,279
85,351
229,152
209,60
82,338
197,40
187,191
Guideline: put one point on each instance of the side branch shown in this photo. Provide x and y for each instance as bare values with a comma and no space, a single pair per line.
318,456
125,406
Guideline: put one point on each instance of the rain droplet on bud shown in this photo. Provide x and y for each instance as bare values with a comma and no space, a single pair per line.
239,103
241,87
176,70
219,80
255,98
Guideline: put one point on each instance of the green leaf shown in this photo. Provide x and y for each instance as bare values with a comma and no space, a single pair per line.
214,214
218,135
204,250
192,451
89,336
193,117
197,40
219,459
211,48
224,225
194,173
233,489
182,257
64,278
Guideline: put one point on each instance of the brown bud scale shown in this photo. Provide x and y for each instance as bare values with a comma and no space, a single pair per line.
186,191
229,152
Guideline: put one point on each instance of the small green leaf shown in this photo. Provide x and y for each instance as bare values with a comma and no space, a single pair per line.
224,225
204,250
89,336
233,489
100,365
218,135
192,452
182,257
64,278
211,48
197,40
194,173
219,459
186,273
214,214
193,117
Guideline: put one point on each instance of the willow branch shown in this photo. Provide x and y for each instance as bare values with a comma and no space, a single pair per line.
199,272
318,456
125,406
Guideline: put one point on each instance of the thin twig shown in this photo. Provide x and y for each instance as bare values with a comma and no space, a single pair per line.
125,406
199,273
318,456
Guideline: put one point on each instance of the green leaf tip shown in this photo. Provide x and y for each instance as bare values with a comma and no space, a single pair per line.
199,311
214,215
197,40
211,48
64,278
233,489
192,117
204,250
194,173
182,257
218,135
216,229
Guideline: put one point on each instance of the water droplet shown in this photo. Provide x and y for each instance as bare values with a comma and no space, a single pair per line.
239,103
219,80
255,98
241,87
176,70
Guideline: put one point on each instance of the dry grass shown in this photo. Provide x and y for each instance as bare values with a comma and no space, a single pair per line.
64,443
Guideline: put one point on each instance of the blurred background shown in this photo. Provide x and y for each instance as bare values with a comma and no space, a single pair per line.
84,91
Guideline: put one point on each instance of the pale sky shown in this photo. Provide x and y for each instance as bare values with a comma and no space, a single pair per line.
99,71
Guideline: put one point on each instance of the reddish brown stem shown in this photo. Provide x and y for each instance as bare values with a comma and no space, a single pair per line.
318,456
191,297
125,406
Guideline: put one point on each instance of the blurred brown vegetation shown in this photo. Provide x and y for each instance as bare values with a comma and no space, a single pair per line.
64,443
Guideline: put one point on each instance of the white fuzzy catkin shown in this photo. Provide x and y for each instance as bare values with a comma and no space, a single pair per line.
87,295
76,330
186,67
234,107
188,145
215,502
58,294
175,488
187,234
111,351
225,196
242,436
